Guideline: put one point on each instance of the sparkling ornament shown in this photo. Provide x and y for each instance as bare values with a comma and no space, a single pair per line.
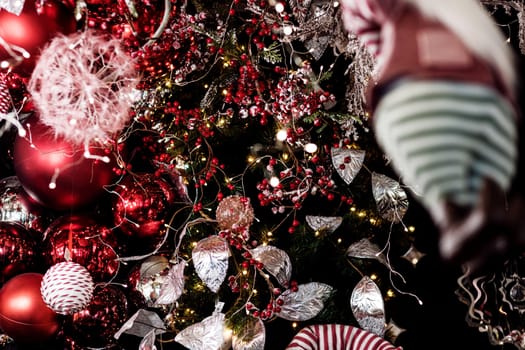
347,162
67,287
234,212
142,206
24,32
324,223
305,303
368,306
252,336
55,173
275,261
81,239
207,334
391,199
18,251
23,314
210,259
82,87
17,206
96,325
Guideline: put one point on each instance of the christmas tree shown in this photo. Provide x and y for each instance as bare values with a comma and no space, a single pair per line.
202,175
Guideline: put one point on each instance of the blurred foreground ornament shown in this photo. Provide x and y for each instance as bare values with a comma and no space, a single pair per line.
391,199
55,172
413,255
17,206
305,303
207,334
82,86
95,326
80,239
368,306
234,212
210,259
347,162
18,250
67,287
276,261
324,223
23,314
252,336
142,206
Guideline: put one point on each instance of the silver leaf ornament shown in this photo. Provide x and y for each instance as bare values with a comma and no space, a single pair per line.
173,285
368,306
252,336
391,199
305,303
207,334
324,223
210,259
141,324
148,342
347,162
13,6
276,261
364,249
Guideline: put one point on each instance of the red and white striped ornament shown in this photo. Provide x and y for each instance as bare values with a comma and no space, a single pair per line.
340,337
67,287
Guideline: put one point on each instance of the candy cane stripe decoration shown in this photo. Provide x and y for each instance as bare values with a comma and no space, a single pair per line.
338,337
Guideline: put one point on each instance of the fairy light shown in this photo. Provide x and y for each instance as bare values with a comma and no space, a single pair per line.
373,277
274,181
279,7
287,30
310,148
294,324
281,135
250,159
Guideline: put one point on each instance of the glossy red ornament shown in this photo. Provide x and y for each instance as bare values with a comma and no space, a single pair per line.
38,23
87,242
55,173
23,314
99,321
18,250
143,205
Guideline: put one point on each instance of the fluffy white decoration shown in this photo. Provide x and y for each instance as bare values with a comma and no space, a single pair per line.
82,86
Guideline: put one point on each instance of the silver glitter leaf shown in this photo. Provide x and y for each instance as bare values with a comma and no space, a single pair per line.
148,342
364,249
368,306
141,324
205,335
275,261
347,162
210,258
391,199
324,223
252,336
13,6
153,266
173,285
305,303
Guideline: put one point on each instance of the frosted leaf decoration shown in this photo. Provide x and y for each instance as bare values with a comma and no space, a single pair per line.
347,162
252,336
324,223
364,249
141,324
13,6
234,212
173,285
154,273
275,261
210,258
368,306
305,303
391,199
148,342
82,87
205,335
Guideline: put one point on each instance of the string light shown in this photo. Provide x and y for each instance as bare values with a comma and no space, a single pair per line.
281,135
310,148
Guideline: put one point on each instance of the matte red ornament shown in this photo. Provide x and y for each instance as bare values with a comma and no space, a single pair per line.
18,250
55,173
143,205
86,242
32,29
23,314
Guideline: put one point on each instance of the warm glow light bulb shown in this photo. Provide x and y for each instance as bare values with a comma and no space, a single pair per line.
310,148
281,135
274,181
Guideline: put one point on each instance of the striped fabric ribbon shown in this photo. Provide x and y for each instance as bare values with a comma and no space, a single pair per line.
338,337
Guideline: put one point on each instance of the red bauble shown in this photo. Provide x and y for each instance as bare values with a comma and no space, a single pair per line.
143,205
48,160
88,243
23,314
96,325
18,250
33,28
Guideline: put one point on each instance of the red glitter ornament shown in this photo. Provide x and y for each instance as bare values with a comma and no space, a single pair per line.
18,250
23,314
